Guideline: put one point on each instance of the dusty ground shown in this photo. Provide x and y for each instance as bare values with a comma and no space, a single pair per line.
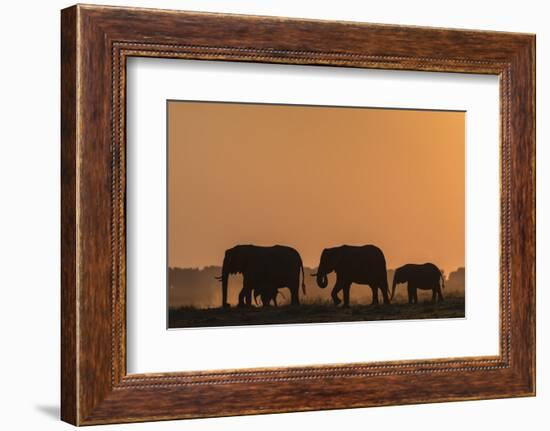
188,317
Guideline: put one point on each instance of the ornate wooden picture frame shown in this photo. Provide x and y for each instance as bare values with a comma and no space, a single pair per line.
96,41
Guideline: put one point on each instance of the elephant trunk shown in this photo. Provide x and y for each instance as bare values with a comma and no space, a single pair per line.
322,279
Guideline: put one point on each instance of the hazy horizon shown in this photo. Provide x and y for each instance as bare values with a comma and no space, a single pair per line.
194,287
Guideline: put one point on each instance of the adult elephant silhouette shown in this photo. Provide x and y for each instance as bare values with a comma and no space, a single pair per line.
354,264
267,268
419,276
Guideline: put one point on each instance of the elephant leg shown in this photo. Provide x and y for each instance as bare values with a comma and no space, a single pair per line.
294,295
337,288
374,295
265,299
346,295
434,295
385,295
245,295
410,291
439,294
242,295
415,294
334,295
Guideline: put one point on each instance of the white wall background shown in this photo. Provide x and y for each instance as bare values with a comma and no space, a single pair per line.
29,215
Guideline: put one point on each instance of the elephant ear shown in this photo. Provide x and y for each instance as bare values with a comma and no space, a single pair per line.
231,260
243,260
397,274
334,257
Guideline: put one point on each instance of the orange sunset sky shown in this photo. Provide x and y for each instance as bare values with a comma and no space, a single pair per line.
315,177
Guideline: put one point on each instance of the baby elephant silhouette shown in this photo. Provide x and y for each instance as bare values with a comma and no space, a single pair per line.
268,295
426,276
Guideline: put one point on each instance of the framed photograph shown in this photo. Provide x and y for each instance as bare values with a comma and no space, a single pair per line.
265,215
302,179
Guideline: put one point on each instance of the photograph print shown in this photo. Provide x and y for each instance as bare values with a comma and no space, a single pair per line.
289,214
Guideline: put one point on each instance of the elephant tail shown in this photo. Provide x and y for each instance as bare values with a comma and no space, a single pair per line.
385,286
303,279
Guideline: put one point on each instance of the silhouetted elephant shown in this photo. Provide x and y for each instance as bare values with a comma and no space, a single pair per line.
267,296
354,264
425,276
263,267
